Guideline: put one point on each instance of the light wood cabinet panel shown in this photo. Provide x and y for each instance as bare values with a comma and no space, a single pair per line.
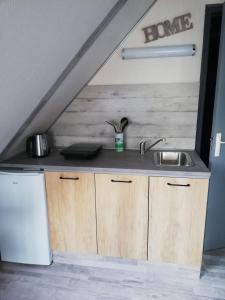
122,215
177,209
71,209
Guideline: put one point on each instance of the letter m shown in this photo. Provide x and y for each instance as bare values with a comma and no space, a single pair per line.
171,28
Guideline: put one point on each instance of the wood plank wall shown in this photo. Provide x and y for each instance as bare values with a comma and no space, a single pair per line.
155,110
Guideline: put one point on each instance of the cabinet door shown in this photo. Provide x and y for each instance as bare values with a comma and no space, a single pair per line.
122,215
177,208
71,209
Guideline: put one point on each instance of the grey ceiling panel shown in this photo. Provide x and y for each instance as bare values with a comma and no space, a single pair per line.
119,18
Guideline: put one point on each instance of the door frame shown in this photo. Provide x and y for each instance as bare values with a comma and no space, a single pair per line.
210,11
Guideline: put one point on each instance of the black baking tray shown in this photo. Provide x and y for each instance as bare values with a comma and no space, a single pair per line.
81,151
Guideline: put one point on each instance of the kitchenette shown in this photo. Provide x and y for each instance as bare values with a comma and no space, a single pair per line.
147,205
116,170
112,151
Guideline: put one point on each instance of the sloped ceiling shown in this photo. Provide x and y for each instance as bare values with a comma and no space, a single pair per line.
49,50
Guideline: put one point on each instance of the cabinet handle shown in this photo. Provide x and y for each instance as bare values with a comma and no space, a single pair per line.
68,178
176,184
121,181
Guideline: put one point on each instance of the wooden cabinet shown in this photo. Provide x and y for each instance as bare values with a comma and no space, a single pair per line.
122,215
158,218
177,208
71,208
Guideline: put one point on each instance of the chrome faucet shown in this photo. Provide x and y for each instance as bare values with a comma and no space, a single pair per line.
143,143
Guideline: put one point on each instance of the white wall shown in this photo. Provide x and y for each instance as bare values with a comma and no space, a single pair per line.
38,39
164,70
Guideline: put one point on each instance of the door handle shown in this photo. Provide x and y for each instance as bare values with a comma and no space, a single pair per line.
218,144
68,178
121,181
176,184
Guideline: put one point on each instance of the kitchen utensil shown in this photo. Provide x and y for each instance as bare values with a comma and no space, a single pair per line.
37,145
81,151
119,127
113,125
123,124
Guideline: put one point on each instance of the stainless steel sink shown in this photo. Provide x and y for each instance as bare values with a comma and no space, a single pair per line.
173,159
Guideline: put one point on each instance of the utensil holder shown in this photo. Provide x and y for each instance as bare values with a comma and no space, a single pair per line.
119,142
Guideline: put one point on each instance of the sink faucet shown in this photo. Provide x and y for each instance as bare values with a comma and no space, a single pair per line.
143,143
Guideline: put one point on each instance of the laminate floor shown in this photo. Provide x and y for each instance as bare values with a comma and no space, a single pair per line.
73,277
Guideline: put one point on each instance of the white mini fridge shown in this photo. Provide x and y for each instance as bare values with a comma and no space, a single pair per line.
24,234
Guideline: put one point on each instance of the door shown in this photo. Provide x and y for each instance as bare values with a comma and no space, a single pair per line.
122,215
209,65
177,208
23,219
71,210
215,221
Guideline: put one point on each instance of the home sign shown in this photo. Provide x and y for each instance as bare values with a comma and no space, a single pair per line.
167,28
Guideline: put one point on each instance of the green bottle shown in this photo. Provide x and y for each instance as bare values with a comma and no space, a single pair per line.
119,142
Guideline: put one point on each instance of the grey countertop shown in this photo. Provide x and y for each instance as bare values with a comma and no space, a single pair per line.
108,161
